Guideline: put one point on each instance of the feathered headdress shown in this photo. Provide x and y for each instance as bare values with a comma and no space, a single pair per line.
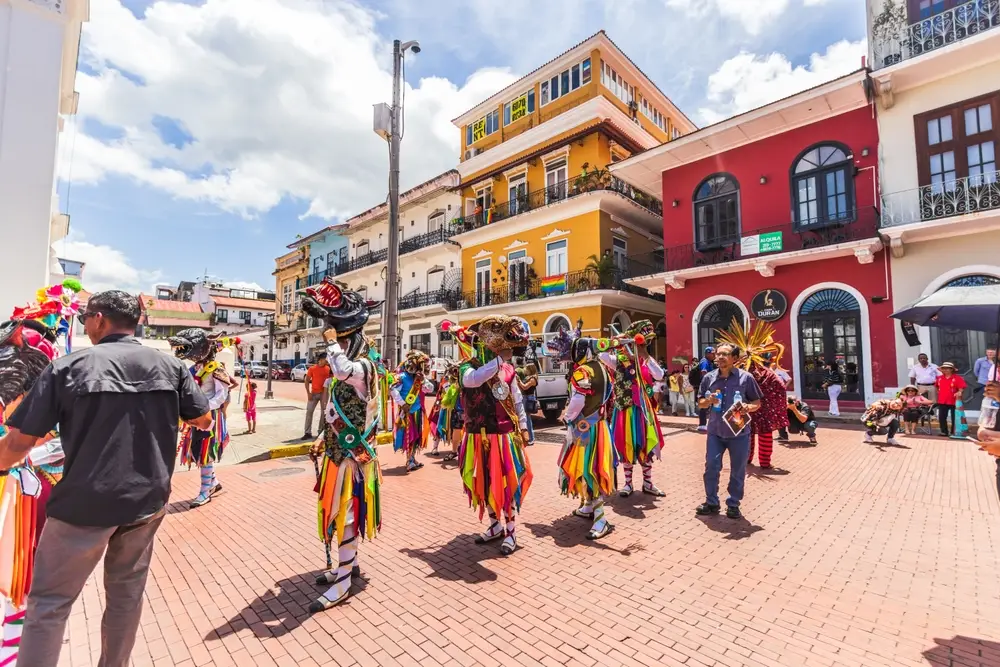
54,308
756,344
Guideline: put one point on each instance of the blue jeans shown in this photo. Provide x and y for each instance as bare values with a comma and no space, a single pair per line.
739,453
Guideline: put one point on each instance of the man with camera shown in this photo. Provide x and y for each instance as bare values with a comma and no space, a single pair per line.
800,420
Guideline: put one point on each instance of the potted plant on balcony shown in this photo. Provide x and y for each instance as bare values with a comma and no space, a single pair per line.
603,268
889,32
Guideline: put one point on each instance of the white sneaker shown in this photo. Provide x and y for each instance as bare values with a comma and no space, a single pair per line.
868,438
892,441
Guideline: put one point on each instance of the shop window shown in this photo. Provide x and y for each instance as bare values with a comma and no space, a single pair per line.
717,212
823,186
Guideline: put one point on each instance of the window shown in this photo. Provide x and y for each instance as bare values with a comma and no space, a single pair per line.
555,181
483,127
435,222
517,273
555,258
483,279
317,265
616,84
343,254
221,315
331,259
619,249
484,199
245,316
517,195
717,212
565,82
823,186
519,107
956,146
361,249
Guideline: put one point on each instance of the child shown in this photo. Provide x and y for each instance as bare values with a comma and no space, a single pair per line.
883,413
676,396
250,407
912,400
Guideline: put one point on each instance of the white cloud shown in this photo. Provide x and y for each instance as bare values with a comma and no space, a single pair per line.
753,15
748,81
106,267
276,94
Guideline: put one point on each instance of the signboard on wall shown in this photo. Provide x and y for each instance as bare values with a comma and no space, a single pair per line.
769,305
909,333
519,108
479,129
760,243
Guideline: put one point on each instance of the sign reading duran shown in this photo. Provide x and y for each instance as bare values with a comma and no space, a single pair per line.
759,243
769,305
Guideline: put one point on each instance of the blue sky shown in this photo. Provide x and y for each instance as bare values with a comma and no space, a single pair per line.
211,132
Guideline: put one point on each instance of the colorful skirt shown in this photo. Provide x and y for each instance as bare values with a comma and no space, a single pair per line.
199,447
18,533
636,434
449,420
410,434
349,489
587,462
496,473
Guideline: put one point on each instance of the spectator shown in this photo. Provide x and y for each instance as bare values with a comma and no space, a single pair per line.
688,389
676,396
883,414
706,364
316,381
833,382
984,369
527,382
782,374
950,387
924,374
118,405
718,389
658,398
801,419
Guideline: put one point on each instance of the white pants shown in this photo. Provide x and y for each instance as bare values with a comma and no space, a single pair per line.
834,391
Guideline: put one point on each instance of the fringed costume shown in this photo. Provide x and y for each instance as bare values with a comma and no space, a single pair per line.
408,393
495,470
27,346
634,426
588,460
348,475
204,448
446,417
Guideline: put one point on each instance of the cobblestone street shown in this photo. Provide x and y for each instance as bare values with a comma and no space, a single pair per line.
860,555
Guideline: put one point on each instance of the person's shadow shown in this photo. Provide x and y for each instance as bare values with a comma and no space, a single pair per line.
961,650
734,529
459,559
570,531
634,506
281,609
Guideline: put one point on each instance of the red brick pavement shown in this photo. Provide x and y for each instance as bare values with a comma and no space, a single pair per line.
860,556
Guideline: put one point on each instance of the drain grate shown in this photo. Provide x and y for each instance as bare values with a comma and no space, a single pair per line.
283,472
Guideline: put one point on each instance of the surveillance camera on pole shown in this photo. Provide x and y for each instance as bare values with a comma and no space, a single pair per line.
387,126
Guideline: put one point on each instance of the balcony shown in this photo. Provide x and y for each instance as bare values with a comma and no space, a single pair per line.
895,41
931,211
446,298
596,181
527,289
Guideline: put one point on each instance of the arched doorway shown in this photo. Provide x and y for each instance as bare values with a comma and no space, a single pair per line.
718,315
551,328
962,347
830,330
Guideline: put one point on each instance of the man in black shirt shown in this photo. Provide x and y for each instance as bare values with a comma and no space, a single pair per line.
117,405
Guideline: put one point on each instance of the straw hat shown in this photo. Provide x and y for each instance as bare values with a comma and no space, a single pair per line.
910,386
948,364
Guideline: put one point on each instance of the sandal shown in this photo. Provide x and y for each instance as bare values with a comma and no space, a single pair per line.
651,490
595,534
626,491
509,545
583,515
489,535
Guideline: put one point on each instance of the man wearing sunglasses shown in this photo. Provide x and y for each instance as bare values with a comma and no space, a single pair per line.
117,405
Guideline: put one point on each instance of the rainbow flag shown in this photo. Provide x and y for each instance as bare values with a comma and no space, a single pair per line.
553,284
488,216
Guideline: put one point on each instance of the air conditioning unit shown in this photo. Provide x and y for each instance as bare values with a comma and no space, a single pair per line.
468,154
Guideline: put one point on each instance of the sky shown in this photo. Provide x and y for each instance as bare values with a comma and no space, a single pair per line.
211,133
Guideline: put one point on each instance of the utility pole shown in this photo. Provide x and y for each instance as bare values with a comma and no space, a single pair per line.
270,356
390,311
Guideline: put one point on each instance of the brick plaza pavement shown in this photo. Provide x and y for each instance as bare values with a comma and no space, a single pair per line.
859,556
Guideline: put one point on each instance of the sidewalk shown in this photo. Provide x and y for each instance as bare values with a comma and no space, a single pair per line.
279,422
860,556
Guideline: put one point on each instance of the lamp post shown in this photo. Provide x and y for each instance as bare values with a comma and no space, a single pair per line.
390,313
270,355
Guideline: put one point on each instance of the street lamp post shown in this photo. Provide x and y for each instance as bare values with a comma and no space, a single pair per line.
270,356
390,311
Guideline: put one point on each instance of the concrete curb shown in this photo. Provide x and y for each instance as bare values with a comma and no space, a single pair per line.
302,449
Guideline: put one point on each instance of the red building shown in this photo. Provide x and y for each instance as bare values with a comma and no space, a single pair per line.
772,214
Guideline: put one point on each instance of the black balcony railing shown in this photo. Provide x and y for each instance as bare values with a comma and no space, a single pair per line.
856,225
446,298
895,40
527,288
574,187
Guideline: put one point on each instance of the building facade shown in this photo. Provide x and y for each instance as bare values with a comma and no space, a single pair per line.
161,318
773,215
545,229
290,323
937,80
39,41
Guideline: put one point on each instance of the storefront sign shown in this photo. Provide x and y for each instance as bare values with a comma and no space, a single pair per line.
909,333
759,243
769,305
479,129
519,107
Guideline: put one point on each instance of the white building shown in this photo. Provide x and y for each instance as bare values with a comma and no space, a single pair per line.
39,41
937,80
430,263
235,310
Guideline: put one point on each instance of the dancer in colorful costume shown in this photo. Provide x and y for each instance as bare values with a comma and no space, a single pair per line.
756,347
348,474
450,417
27,346
494,466
634,426
204,448
588,459
408,394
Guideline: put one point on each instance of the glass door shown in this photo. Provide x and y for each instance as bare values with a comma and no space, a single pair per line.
827,337
483,283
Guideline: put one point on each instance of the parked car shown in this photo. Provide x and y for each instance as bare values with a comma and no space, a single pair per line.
255,369
281,371
299,372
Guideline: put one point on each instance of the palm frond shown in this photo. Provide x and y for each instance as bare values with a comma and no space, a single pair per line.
755,344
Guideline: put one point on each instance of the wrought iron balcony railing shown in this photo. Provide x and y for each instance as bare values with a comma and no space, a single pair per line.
895,41
855,225
446,298
557,192
942,200
526,288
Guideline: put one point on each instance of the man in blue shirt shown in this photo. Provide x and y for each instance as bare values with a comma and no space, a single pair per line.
706,365
718,388
984,368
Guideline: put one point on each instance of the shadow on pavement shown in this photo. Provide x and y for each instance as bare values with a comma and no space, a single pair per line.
884,446
737,529
634,507
963,651
460,559
570,531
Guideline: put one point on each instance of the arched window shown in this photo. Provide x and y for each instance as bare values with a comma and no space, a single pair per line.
717,316
823,186
717,212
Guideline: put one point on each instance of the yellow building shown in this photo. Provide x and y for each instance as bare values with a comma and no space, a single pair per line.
546,232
